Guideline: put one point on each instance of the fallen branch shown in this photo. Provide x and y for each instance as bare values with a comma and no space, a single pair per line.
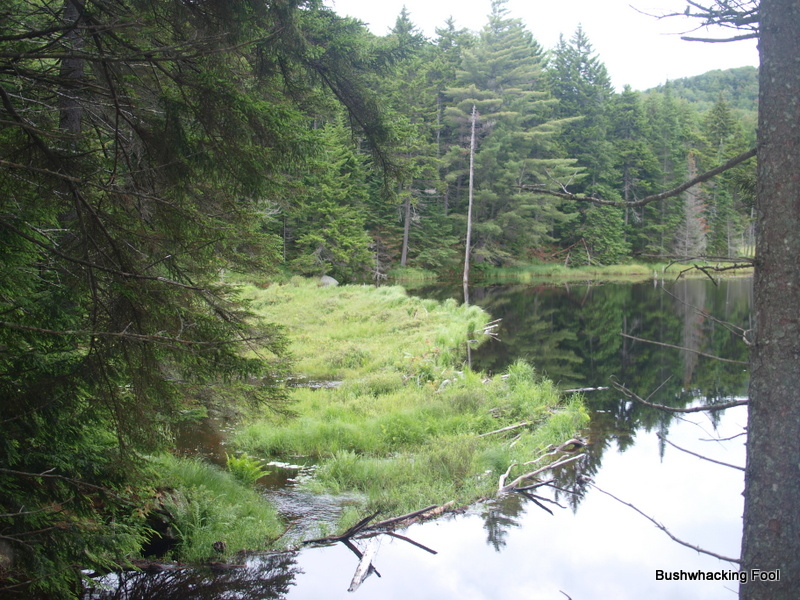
345,537
717,462
401,518
410,541
665,530
521,478
509,428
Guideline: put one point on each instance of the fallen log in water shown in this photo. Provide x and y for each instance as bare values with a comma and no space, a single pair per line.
365,565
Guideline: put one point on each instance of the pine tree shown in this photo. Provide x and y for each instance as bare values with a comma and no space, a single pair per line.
324,229
636,165
142,145
723,138
502,77
582,86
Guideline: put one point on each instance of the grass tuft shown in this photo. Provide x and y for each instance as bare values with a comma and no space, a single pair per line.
210,505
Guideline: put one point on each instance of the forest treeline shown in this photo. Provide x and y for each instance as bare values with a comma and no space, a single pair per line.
150,147
546,119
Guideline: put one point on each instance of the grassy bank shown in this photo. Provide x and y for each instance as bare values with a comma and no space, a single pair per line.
206,505
350,332
402,430
558,273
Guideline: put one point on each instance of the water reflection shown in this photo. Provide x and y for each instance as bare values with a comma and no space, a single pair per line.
261,577
594,548
572,334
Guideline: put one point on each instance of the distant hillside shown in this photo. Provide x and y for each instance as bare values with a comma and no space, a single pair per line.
738,86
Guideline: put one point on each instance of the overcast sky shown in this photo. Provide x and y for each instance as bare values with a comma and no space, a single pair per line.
637,49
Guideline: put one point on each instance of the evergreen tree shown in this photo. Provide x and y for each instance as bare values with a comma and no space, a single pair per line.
636,164
582,86
141,146
325,226
502,77
723,138
669,138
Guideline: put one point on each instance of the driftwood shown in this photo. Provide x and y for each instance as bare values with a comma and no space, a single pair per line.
365,565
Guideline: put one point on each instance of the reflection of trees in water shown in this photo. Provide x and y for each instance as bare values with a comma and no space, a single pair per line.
499,516
263,577
572,335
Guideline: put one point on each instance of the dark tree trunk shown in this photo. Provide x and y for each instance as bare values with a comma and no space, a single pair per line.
771,539
72,68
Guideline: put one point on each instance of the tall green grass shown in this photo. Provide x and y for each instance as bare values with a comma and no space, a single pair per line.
352,331
406,445
210,505
402,431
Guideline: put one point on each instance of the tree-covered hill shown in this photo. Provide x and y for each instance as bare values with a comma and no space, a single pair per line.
739,88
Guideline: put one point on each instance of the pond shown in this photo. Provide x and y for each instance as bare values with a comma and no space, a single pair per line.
594,545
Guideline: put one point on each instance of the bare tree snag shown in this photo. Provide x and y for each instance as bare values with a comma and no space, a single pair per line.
473,120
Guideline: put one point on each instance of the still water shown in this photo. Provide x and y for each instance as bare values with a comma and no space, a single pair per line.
593,546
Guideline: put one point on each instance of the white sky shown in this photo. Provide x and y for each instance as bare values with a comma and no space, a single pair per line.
637,49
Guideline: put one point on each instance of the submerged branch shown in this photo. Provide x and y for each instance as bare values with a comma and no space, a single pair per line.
727,360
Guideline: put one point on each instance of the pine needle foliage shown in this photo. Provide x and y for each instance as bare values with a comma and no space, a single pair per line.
141,144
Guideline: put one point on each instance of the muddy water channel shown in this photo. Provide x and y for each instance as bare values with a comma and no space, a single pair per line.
595,544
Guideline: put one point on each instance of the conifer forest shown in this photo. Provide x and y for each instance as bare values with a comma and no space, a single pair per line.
155,153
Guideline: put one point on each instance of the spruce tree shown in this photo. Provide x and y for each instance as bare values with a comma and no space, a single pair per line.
502,77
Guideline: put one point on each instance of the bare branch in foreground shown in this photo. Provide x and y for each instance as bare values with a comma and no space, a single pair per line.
703,177
727,360
629,394
665,530
716,462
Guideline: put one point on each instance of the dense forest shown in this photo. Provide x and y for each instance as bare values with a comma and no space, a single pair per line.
150,147
546,119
